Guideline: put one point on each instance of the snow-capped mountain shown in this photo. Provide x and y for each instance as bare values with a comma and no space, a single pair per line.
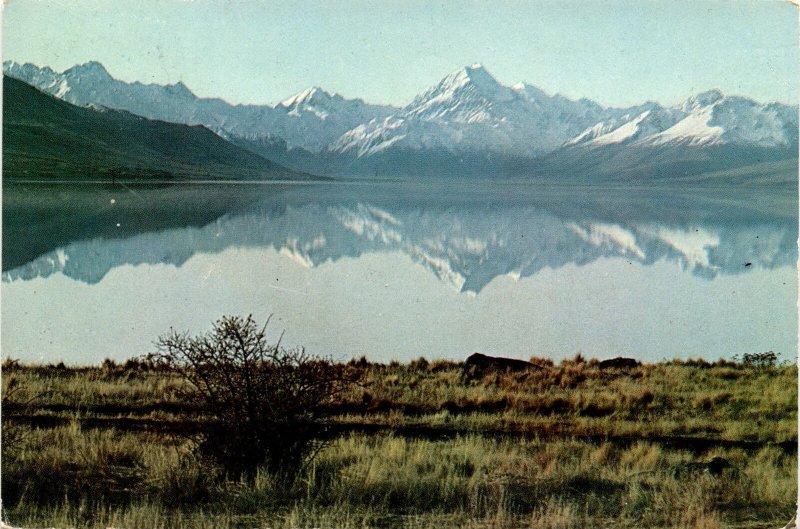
709,118
470,111
473,124
310,120
467,124
636,123
707,133
733,120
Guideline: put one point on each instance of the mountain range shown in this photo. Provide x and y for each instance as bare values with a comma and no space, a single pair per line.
44,137
468,124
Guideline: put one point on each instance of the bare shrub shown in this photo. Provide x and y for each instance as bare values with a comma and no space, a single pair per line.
12,433
14,399
262,402
765,360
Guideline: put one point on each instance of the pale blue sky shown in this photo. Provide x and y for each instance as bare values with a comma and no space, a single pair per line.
615,52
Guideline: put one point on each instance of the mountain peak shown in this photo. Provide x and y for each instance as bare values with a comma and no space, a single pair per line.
469,81
715,94
309,95
474,74
531,92
703,99
12,67
475,68
91,68
179,89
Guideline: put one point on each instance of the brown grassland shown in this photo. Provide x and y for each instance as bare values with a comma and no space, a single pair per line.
418,445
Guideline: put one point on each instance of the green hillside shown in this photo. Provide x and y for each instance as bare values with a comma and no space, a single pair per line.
46,138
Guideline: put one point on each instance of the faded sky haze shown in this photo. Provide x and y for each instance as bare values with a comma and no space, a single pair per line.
617,52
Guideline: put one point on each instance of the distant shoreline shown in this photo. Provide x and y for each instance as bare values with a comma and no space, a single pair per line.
168,182
439,182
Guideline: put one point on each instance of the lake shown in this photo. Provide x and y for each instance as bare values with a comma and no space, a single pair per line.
397,270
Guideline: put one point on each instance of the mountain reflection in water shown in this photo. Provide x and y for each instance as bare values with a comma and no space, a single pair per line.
465,240
464,235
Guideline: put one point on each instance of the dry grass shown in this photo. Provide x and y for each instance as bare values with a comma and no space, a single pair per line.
81,478
552,477
725,400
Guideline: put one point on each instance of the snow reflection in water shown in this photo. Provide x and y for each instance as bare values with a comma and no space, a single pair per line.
398,271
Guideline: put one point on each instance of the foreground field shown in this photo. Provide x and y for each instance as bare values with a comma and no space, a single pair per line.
418,445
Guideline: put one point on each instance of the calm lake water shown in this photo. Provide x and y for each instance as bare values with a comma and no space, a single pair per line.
399,270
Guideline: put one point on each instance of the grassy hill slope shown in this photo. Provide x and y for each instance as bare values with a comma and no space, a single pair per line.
46,138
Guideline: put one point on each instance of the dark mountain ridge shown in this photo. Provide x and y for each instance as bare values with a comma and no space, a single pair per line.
47,138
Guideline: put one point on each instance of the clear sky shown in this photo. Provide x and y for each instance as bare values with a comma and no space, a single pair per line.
386,51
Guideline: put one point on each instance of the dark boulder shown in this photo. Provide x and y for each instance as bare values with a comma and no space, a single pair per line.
618,363
478,365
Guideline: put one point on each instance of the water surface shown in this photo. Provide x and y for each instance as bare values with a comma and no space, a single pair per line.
399,270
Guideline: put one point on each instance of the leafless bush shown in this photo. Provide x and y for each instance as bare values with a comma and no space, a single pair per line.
13,399
765,360
262,402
